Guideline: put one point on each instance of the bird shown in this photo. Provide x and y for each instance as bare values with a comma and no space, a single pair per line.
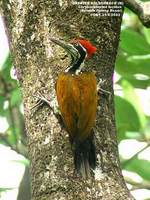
76,93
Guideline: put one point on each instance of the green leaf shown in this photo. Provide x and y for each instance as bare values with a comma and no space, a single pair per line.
25,161
11,135
143,84
146,32
126,117
5,189
2,100
147,131
134,43
7,67
131,65
133,135
132,97
16,97
139,166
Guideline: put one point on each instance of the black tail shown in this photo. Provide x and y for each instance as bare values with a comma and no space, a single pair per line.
84,156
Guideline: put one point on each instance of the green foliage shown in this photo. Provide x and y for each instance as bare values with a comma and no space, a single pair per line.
133,68
133,43
146,33
132,65
10,101
5,189
24,162
7,67
140,166
16,98
131,96
126,117
2,99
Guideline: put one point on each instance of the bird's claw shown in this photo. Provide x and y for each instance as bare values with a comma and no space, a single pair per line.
41,100
100,89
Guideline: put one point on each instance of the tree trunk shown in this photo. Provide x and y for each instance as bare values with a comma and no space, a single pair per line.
30,23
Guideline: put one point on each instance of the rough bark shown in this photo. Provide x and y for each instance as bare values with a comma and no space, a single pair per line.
38,62
141,9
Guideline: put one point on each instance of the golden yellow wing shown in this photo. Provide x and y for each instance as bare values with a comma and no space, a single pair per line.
77,100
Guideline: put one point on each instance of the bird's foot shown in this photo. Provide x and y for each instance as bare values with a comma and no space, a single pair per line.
41,100
100,89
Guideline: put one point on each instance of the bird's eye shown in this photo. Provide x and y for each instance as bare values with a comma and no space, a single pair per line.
76,44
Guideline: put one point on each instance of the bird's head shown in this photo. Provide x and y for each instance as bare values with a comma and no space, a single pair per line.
79,50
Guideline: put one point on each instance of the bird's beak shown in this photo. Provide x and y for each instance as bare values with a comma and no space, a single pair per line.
69,48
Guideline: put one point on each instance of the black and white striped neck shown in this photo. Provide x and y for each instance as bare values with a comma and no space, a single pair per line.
77,63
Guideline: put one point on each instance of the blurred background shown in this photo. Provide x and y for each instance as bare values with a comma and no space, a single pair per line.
132,104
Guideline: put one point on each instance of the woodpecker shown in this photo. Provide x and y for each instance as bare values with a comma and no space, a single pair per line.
76,93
